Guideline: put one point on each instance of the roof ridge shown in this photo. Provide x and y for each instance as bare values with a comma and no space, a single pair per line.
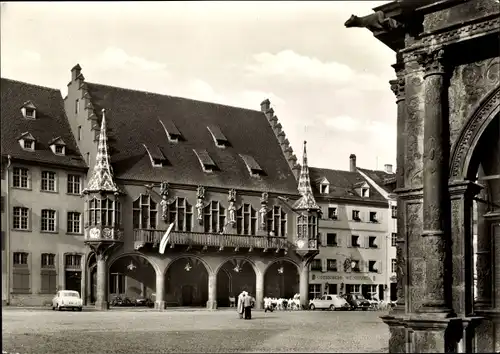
35,85
178,97
331,169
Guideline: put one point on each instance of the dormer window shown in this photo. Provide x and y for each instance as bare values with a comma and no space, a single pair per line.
253,167
365,192
27,141
173,134
207,164
325,188
29,110
219,138
373,216
58,146
156,156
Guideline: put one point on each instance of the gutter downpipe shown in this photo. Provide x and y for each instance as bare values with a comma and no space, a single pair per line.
7,231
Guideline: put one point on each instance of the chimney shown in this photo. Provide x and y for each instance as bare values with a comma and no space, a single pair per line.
352,163
75,72
388,168
265,105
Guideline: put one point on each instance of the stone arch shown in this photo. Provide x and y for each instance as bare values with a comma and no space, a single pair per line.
187,286
113,259
284,280
282,259
465,146
243,258
230,282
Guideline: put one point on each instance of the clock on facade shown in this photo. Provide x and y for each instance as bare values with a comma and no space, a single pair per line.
300,243
94,233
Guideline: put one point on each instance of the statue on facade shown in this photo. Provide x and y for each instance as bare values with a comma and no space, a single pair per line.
232,206
200,197
376,22
263,210
164,204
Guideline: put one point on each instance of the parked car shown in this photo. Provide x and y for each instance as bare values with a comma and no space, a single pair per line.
357,301
144,301
67,299
330,302
122,301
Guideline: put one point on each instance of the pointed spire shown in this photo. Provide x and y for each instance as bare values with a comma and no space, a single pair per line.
101,179
306,200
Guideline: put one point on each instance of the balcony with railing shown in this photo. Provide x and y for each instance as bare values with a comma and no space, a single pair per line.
145,237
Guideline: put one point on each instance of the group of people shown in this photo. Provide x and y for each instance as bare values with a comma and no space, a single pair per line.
245,303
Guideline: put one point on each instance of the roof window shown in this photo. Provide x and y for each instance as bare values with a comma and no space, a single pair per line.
206,161
156,156
253,167
28,110
173,134
219,138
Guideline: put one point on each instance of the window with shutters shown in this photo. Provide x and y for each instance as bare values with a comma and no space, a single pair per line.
331,265
316,264
356,265
246,220
355,241
21,178
276,221
21,269
373,266
48,181
372,242
355,215
214,215
145,213
20,218
48,220
48,273
180,212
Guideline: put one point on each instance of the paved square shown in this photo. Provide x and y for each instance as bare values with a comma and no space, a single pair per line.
135,331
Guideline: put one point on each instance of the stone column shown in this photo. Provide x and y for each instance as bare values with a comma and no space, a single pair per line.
484,271
259,291
143,290
101,302
435,184
160,303
304,285
212,292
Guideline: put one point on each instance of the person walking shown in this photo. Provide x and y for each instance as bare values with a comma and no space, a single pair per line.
247,304
241,308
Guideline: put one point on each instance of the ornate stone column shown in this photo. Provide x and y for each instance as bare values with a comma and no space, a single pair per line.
435,183
160,303
259,291
212,291
304,285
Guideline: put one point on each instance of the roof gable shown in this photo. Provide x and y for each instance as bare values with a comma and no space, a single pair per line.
26,136
28,104
57,141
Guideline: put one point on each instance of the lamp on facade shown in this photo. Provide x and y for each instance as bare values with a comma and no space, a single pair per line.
280,270
131,266
237,269
187,267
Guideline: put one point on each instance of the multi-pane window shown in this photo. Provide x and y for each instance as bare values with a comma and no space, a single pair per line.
21,273
20,218
145,213
48,181
104,212
21,177
20,259
331,264
48,260
394,238
180,212
73,261
373,266
74,184
28,144
74,222
214,217
48,220
372,242
246,220
373,216
355,215
314,291
394,211
332,213
393,265
307,226
59,149
316,264
276,221
48,273
355,241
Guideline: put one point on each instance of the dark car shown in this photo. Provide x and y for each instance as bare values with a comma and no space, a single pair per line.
119,301
144,302
357,301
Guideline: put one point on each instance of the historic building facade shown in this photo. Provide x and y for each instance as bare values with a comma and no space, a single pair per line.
225,178
448,98
43,175
353,237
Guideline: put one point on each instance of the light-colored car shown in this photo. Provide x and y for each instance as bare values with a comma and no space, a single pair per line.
330,302
67,299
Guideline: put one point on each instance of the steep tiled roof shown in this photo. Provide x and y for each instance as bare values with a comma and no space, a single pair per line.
342,184
380,177
133,119
50,123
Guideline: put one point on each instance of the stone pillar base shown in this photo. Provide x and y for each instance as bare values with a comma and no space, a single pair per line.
102,305
259,305
432,334
160,305
212,305
398,339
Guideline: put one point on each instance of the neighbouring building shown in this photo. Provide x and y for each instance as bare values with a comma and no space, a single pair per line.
355,234
43,174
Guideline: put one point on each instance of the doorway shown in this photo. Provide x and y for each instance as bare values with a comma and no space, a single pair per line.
187,295
73,280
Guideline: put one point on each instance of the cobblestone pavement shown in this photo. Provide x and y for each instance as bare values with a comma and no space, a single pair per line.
132,331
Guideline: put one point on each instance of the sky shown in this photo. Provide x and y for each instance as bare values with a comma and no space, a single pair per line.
327,84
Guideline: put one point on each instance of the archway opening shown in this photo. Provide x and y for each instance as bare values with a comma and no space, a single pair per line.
281,280
91,291
131,277
187,283
233,277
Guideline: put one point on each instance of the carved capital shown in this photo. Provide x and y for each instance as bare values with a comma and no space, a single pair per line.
398,88
433,63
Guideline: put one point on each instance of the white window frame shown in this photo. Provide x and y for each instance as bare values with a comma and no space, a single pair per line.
71,182
47,178
393,265
17,212
20,175
46,217
316,291
71,222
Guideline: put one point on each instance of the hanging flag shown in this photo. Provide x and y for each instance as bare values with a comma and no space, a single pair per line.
165,238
